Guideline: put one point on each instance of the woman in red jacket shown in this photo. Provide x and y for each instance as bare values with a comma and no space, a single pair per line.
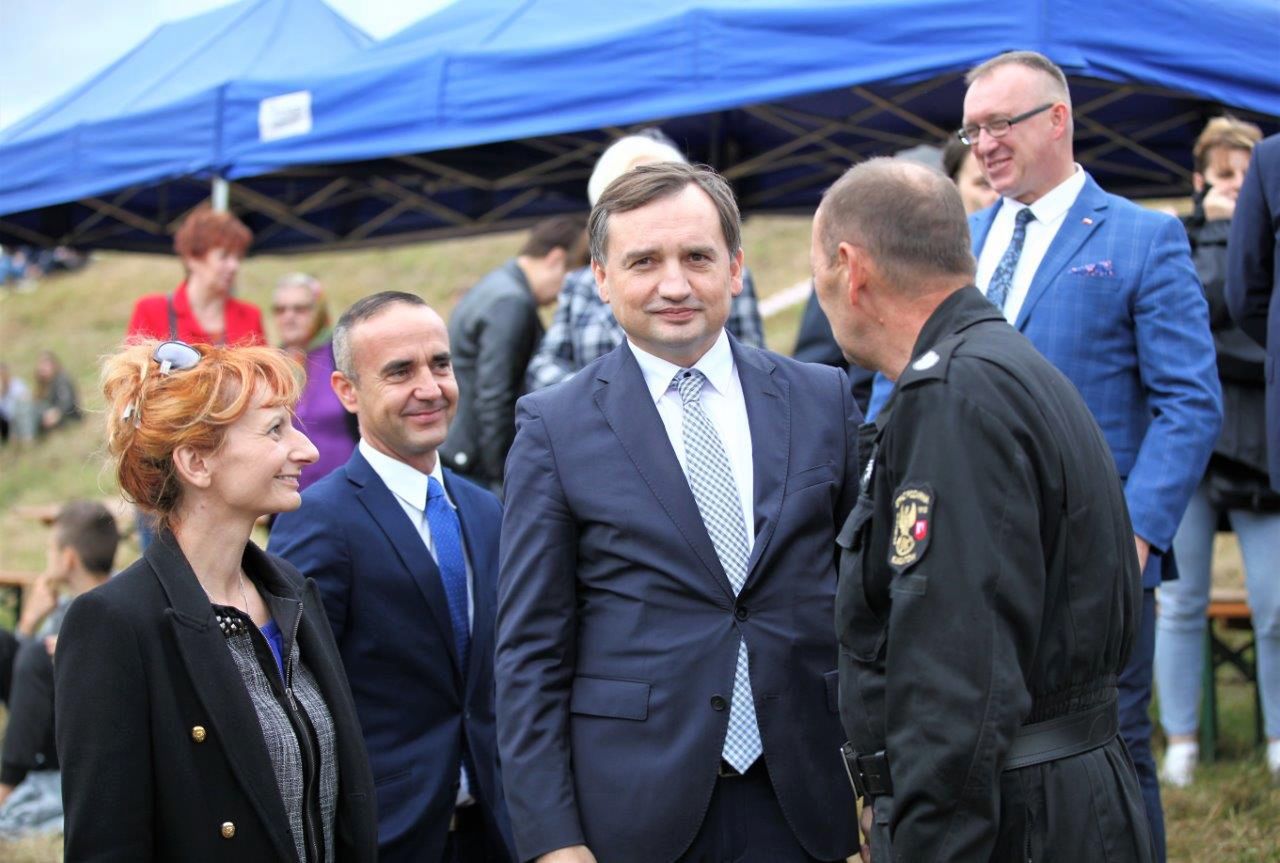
202,310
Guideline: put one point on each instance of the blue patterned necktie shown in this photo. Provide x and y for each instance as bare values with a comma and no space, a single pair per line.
711,479
446,536
1002,278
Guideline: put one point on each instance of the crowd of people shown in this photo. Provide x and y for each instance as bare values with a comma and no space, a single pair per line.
568,595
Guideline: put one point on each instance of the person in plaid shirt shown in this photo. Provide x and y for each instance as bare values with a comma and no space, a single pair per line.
584,329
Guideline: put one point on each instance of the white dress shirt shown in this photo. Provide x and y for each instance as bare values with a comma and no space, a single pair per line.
408,486
1050,212
724,405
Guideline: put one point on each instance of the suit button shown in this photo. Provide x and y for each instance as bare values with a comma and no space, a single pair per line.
741,612
718,702
198,733
228,829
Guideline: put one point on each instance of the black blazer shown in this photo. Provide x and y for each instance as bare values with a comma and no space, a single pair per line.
160,745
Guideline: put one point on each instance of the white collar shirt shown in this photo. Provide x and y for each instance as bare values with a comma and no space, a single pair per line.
408,486
724,404
1050,212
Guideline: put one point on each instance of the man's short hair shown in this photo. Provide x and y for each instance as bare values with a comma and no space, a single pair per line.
908,218
362,310
90,529
648,183
1226,131
1031,60
557,232
647,146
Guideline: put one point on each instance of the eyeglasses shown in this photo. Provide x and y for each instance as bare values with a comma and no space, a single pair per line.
998,127
172,356
297,309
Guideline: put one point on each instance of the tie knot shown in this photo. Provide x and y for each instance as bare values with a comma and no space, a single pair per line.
689,382
434,489
1024,215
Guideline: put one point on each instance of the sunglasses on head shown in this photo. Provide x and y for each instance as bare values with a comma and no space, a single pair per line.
172,356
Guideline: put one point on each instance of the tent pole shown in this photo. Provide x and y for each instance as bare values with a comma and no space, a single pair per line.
221,194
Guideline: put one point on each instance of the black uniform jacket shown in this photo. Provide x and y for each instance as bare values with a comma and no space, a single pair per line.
162,753
988,579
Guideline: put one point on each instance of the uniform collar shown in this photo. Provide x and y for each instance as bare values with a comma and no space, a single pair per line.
958,312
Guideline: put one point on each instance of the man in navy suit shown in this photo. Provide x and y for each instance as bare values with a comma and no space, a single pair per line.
666,664
405,555
1106,290
1253,273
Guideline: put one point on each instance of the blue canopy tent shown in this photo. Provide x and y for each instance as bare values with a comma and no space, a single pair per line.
154,116
491,112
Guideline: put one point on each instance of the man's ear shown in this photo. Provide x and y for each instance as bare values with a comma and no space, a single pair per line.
68,560
601,285
736,264
1197,181
345,390
193,466
852,261
1060,114
555,258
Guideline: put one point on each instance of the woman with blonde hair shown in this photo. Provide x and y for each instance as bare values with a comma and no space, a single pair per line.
201,703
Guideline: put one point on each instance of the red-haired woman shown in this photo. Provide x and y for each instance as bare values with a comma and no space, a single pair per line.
202,310
202,709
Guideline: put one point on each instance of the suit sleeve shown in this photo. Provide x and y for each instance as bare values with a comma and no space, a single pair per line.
317,547
1178,366
507,339
852,421
103,735
962,626
1251,264
537,633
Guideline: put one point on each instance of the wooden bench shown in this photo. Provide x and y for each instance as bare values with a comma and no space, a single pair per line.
1228,609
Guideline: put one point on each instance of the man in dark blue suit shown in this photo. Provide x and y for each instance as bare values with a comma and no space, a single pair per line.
1253,273
666,664
1106,290
405,555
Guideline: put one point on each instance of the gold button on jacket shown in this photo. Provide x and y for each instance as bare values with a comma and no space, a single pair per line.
228,829
198,733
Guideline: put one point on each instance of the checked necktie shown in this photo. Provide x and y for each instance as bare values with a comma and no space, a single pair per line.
446,536
1002,278
711,479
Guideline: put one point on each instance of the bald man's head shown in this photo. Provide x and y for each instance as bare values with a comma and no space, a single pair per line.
908,218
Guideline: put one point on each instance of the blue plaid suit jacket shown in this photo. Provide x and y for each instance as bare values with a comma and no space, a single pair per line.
1117,307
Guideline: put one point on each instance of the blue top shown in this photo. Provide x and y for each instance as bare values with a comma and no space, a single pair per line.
275,640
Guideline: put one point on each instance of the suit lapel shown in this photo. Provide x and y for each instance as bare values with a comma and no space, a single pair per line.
769,416
628,408
980,225
483,591
390,518
1085,216
218,685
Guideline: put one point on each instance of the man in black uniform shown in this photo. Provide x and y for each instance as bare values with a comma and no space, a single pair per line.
989,589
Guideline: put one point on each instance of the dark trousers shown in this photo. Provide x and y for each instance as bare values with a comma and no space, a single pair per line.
745,824
470,841
1135,717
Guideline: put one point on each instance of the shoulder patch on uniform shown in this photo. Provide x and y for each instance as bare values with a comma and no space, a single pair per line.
912,525
932,364
926,362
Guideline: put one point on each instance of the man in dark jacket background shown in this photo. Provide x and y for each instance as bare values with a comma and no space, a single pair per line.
494,331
